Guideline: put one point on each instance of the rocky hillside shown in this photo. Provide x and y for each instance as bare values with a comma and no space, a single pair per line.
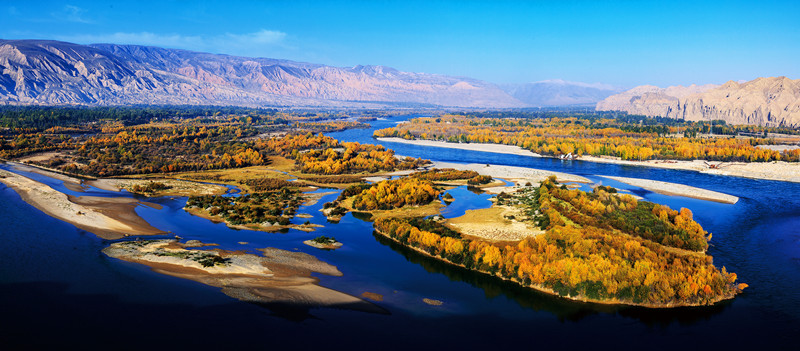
51,72
559,93
769,101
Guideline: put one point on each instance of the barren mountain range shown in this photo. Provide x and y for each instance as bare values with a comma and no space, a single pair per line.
772,101
559,92
52,72
59,73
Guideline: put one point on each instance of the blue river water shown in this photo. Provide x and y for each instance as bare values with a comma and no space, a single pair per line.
57,289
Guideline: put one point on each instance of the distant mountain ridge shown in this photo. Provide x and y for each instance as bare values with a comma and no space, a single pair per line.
559,92
772,101
52,72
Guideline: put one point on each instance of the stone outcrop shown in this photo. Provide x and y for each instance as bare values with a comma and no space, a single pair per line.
772,101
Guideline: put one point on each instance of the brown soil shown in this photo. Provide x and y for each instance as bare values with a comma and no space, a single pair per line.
372,296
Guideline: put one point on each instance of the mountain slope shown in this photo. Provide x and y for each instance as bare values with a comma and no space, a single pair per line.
559,93
51,72
769,101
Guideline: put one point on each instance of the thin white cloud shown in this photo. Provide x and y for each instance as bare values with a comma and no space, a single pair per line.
72,13
229,43
264,37
142,38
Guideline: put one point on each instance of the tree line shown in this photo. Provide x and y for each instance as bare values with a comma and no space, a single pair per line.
596,137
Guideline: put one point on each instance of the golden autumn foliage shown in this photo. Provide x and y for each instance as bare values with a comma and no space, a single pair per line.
389,194
320,154
194,146
593,260
445,174
603,209
560,136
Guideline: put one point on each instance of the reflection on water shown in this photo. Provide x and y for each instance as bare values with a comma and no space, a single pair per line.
54,278
493,287
532,299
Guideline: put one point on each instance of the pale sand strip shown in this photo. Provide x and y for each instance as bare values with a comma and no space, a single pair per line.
519,175
776,170
494,148
677,189
111,220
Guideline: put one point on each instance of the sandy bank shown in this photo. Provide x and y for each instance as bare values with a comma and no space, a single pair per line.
278,276
677,189
108,218
776,170
47,173
311,199
494,148
175,187
518,175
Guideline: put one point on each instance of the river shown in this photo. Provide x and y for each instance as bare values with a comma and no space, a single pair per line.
57,289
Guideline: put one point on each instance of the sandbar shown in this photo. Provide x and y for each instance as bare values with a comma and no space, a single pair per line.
175,187
677,189
278,276
485,147
519,175
108,218
775,170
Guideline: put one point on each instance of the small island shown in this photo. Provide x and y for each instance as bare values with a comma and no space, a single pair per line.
275,276
600,247
323,242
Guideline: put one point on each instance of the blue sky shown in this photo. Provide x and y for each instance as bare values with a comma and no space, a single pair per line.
624,43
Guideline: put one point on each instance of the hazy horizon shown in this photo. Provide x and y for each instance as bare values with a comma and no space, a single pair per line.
617,43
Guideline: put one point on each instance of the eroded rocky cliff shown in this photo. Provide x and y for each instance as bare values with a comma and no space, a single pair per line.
769,101
51,72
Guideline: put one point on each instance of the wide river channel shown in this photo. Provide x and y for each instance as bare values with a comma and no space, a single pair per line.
57,289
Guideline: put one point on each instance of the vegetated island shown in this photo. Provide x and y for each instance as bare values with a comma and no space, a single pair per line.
323,242
599,247
278,276
743,151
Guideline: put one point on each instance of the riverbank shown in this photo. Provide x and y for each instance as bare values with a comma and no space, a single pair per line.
485,147
677,189
776,170
548,291
277,276
108,218
173,187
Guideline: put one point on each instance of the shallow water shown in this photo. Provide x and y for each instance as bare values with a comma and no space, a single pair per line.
57,288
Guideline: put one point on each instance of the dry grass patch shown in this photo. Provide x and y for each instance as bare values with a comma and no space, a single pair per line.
493,224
